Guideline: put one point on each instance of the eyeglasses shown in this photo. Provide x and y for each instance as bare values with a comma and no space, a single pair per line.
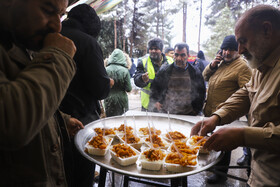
181,55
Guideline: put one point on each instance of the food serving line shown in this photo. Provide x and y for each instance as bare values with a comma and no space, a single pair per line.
138,119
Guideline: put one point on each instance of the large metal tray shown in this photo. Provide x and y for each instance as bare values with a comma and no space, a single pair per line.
204,161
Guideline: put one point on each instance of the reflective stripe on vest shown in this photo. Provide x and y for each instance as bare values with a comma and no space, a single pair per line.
169,59
146,91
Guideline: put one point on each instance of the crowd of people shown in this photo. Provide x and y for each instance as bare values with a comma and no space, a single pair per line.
53,77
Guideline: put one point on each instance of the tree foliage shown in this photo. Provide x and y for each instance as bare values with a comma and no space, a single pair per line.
140,21
224,26
222,19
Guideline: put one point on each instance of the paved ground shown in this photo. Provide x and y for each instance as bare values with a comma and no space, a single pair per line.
197,180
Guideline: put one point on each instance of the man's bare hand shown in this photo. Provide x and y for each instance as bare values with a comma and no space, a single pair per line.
158,106
145,77
61,42
216,61
73,126
209,124
225,139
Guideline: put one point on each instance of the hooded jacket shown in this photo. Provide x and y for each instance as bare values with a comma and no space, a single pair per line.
117,100
91,82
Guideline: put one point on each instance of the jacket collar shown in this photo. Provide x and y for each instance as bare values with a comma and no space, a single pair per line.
270,61
17,54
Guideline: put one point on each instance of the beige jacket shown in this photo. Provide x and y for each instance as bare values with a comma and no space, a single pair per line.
224,81
30,93
261,98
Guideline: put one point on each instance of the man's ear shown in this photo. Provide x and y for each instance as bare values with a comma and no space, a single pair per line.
267,29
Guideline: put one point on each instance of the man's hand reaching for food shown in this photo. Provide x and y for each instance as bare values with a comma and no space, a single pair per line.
73,126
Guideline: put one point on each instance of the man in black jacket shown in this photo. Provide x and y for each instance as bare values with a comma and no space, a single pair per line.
90,84
179,87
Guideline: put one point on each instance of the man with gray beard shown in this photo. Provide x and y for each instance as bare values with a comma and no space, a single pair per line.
147,69
226,74
258,35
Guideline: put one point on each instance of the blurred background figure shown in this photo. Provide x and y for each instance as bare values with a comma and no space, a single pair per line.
89,85
117,68
169,51
200,62
132,68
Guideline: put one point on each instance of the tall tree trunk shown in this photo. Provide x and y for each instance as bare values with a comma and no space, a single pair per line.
124,24
199,31
120,31
132,29
116,37
162,21
157,26
185,7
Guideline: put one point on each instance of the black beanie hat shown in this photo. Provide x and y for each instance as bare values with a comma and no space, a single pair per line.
230,43
87,16
155,42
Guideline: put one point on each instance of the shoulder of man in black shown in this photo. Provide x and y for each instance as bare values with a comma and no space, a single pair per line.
89,56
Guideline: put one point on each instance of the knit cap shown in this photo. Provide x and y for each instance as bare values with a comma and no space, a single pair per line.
155,42
230,43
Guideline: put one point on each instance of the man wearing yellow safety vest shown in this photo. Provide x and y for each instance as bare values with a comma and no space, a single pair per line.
147,69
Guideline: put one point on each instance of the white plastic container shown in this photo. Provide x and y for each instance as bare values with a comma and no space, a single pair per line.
164,146
125,161
167,138
121,132
177,168
151,165
135,145
192,142
142,134
109,135
97,151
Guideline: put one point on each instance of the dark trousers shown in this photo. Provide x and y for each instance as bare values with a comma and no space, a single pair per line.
83,170
247,152
225,161
79,168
